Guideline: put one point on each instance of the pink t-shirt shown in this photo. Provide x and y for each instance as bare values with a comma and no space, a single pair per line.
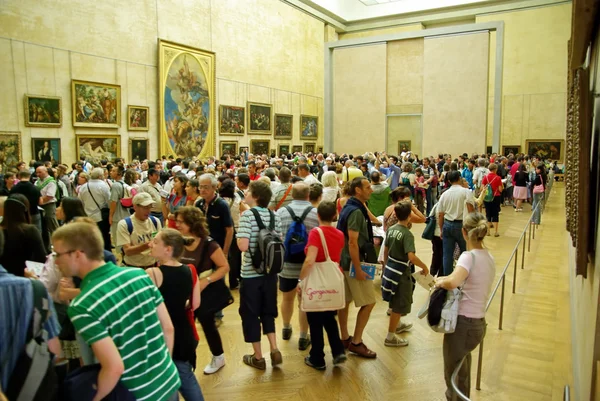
478,284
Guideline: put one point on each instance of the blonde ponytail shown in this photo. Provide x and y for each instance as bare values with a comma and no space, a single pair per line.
476,225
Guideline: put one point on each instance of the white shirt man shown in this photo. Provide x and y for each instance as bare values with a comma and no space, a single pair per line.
95,195
304,172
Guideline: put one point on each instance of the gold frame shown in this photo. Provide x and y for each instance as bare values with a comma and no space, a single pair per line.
510,146
319,149
562,147
28,123
34,156
248,114
221,107
130,150
403,141
129,127
167,53
80,136
255,141
221,143
296,148
17,134
308,138
279,153
75,82
291,117
307,144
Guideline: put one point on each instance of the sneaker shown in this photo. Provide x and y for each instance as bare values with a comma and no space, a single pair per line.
361,350
312,365
303,343
396,342
276,358
339,359
402,327
347,342
251,360
286,333
218,322
215,364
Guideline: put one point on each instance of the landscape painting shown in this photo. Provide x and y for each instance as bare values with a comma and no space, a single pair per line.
10,150
95,105
98,147
138,149
229,148
137,118
549,149
309,127
259,118
283,126
259,147
232,120
45,149
43,111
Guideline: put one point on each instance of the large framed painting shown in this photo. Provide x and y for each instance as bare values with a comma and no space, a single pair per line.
403,146
309,147
98,147
259,118
45,149
297,149
43,111
95,105
284,149
508,149
10,150
137,118
309,127
546,149
138,149
233,120
283,126
259,146
229,148
186,101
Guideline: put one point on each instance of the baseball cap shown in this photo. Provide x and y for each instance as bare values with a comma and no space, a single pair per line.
143,199
176,169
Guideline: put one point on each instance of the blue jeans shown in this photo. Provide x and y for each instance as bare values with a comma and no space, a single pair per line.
429,200
537,211
190,388
451,235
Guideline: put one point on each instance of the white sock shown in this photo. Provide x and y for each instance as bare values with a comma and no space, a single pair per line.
391,336
303,335
287,326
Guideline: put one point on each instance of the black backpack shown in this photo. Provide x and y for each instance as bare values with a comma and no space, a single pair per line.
269,253
296,237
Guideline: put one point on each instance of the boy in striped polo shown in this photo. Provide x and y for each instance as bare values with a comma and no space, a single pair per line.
121,315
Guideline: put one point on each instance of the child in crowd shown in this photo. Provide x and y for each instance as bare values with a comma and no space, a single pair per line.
396,283
420,190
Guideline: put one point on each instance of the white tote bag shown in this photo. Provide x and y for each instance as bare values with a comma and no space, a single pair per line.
323,289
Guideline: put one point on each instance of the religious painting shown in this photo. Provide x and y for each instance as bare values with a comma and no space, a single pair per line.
309,147
259,118
98,147
43,111
546,149
297,149
283,126
186,101
259,146
45,149
403,146
10,150
284,149
229,148
508,149
232,120
137,118
309,127
95,105
138,149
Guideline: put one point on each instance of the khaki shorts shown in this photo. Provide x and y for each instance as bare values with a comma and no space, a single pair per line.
361,292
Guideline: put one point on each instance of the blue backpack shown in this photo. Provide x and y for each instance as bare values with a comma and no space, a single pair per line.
296,237
129,223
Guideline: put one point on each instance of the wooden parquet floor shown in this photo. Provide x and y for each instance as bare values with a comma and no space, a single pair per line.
528,360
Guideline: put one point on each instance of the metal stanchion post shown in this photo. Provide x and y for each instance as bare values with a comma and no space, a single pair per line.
529,246
502,302
479,364
534,228
523,254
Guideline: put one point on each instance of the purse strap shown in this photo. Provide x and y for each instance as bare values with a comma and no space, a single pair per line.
323,243
90,192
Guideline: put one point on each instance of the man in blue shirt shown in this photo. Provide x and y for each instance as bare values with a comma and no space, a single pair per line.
467,173
392,169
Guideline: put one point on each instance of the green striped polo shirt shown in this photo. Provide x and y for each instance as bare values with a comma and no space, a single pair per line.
121,303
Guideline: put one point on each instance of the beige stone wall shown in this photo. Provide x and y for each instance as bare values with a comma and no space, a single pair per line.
266,51
381,31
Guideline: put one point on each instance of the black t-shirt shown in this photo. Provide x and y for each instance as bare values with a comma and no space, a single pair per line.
21,244
521,179
31,193
218,218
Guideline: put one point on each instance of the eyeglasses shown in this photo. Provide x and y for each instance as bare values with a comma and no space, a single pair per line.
205,186
57,255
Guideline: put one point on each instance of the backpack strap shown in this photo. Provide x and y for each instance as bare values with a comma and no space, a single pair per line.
289,209
129,225
306,212
40,309
272,222
259,221
154,221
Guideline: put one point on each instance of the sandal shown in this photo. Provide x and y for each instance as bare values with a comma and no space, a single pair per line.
251,360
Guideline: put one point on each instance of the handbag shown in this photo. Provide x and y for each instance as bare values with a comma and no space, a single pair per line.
216,296
104,211
428,232
538,189
128,194
323,289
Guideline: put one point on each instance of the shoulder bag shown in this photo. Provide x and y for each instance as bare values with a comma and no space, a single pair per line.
104,211
216,296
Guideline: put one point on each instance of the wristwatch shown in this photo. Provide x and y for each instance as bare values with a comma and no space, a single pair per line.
208,279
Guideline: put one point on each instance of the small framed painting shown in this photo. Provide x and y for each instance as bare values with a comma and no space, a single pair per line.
309,147
283,126
10,150
320,149
259,118
96,148
232,120
297,149
508,149
488,150
45,149
259,146
309,127
95,105
403,146
43,111
137,118
229,148
138,149
244,150
284,149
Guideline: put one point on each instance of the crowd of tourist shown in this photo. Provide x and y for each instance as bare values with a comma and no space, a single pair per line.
192,231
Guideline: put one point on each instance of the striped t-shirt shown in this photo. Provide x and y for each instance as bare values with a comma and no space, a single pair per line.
121,303
249,229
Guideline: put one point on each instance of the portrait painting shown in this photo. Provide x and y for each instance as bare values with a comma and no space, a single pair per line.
297,149
549,149
320,149
403,146
309,147
98,147
137,118
259,118
186,101
138,149
508,149
309,127
259,146
43,111
10,150
284,149
45,149
232,120
95,105
229,148
283,126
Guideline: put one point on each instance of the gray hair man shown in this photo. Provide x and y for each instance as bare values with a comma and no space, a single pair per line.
95,195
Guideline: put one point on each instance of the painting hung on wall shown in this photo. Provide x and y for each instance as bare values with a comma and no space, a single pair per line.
229,148
10,150
403,146
232,120
45,149
309,147
284,150
488,150
186,101
98,147
508,149
283,126
137,118
259,118
95,105
297,149
309,127
138,149
550,149
320,149
259,147
43,111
